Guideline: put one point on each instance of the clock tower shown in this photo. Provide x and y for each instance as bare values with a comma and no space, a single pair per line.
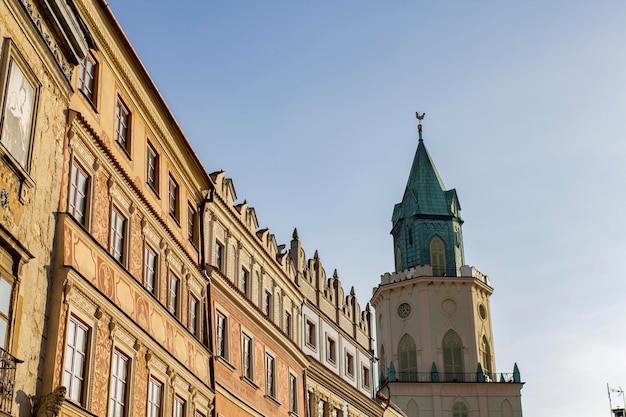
434,335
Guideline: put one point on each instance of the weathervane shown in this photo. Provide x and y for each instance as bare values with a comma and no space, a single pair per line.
419,117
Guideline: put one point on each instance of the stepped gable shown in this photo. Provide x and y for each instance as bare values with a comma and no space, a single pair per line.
328,295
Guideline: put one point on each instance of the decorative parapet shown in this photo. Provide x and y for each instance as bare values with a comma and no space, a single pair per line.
471,271
416,271
427,271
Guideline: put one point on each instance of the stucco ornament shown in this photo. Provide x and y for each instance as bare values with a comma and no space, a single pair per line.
51,404
4,198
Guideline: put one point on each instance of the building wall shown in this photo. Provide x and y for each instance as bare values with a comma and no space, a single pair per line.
32,136
235,244
109,295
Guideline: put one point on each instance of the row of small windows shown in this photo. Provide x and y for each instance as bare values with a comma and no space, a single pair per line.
245,286
223,351
76,374
119,245
331,353
87,85
78,206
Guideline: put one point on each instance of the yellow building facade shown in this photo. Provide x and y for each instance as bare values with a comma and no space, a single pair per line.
133,282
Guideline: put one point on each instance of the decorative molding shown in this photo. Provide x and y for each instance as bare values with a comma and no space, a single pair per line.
35,17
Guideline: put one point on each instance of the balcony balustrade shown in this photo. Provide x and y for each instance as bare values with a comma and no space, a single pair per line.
7,380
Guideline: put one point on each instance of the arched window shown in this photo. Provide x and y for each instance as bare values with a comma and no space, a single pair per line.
459,409
486,357
453,367
438,257
398,259
506,410
411,409
407,359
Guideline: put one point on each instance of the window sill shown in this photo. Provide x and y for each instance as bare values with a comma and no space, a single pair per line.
249,382
173,216
90,101
273,400
154,190
126,152
26,181
225,362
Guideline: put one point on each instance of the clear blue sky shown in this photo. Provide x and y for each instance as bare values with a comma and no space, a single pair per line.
309,107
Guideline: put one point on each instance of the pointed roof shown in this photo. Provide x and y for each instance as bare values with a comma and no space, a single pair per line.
425,193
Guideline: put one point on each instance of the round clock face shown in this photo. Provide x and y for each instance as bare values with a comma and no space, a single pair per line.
404,310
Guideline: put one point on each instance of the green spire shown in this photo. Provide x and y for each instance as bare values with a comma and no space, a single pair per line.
427,215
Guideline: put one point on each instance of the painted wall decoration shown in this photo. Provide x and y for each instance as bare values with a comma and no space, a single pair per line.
18,107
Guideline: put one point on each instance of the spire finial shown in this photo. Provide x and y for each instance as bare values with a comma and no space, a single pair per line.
419,117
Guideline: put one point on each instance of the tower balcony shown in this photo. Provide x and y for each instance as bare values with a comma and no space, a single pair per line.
448,377
7,381
464,271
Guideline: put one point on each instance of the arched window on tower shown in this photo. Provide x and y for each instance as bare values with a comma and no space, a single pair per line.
411,409
486,357
407,359
459,409
453,367
398,259
438,257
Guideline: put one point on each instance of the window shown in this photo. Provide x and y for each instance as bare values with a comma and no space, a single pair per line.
459,409
119,380
365,377
79,187
407,359
118,235
173,294
293,394
152,168
219,255
150,265
247,361
87,77
288,324
6,290
331,349
438,257
20,94
268,304
192,225
155,395
270,375
311,338
486,354
76,359
244,281
173,199
453,357
221,335
179,407
122,126
194,315
349,364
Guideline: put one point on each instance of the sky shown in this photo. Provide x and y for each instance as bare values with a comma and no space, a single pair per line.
309,106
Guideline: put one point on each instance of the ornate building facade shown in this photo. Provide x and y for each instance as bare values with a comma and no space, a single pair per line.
434,332
132,282
41,43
